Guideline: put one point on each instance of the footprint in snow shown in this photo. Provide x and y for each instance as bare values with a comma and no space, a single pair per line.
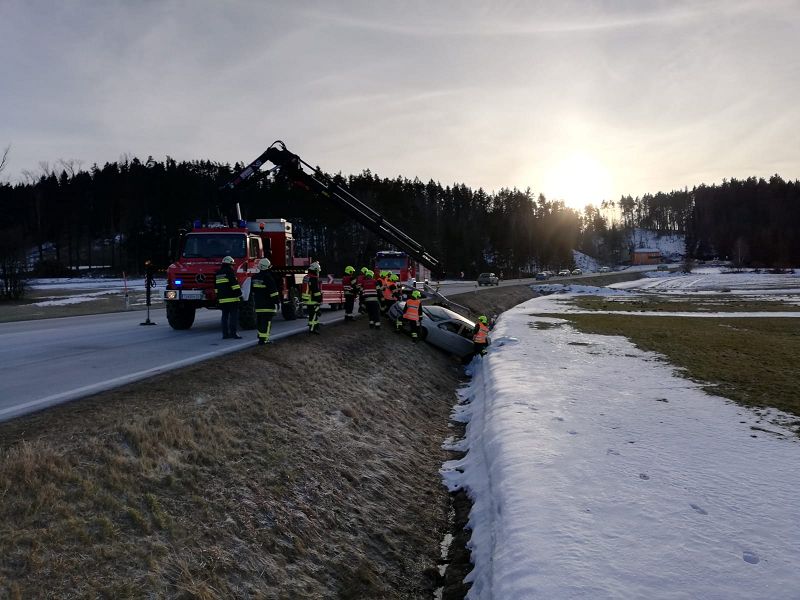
644,476
698,509
558,418
612,451
572,432
750,557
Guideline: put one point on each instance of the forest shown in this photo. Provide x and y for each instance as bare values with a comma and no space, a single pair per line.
118,216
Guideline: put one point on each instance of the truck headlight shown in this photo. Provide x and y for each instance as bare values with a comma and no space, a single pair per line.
170,295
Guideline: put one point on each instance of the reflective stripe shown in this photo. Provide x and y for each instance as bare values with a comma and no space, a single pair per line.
266,310
258,284
228,300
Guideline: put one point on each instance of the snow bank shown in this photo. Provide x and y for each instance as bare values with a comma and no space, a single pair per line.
598,473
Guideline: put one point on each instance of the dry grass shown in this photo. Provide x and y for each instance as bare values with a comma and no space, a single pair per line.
750,360
683,303
305,469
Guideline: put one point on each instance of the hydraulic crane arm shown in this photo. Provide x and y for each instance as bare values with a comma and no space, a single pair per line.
295,168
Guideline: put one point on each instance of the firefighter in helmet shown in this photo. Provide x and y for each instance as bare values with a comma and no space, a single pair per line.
380,283
229,294
351,288
266,297
360,282
412,314
480,336
369,287
388,293
312,296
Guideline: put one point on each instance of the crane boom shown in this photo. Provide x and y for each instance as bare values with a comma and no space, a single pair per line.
295,168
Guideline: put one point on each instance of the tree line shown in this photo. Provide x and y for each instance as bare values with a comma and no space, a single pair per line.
121,214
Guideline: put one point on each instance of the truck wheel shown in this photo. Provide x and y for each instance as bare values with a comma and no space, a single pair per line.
180,315
291,309
247,313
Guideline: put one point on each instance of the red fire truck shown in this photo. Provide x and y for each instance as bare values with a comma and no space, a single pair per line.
408,270
190,279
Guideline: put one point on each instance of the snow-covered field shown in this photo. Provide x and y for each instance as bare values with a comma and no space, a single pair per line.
596,472
62,291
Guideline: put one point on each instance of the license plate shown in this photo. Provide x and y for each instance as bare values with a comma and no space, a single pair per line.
191,295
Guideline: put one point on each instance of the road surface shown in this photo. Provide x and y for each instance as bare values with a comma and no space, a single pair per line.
50,361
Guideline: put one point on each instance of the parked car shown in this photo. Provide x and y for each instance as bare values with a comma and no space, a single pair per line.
564,273
662,268
577,272
605,269
443,328
488,279
542,276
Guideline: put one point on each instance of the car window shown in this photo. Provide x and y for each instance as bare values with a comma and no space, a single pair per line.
451,327
436,313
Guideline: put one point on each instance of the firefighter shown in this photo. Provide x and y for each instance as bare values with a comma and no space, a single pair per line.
359,282
312,296
388,293
229,294
380,283
369,288
265,294
413,314
398,297
351,288
480,336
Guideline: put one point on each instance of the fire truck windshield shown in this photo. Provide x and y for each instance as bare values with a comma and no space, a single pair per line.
214,245
392,264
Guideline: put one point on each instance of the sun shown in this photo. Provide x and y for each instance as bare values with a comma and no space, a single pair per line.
578,179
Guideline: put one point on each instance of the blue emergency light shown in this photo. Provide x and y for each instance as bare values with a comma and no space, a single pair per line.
178,281
197,224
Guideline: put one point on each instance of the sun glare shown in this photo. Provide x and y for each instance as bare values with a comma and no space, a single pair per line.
578,180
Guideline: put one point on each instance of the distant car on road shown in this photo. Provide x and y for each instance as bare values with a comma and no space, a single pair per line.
564,273
542,276
605,269
488,279
577,272
443,328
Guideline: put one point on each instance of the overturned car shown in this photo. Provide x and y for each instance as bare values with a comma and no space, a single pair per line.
443,328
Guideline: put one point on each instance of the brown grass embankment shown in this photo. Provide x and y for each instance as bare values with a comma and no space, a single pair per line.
308,468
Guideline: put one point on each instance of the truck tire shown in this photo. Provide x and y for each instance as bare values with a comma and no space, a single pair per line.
291,309
247,313
180,315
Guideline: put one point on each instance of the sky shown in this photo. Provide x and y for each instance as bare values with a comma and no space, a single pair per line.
597,472
581,101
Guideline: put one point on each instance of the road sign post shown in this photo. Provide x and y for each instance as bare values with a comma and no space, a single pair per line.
149,284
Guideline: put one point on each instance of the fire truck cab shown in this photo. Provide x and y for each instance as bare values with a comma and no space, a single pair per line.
190,279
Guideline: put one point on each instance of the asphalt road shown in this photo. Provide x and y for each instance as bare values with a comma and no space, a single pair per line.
50,361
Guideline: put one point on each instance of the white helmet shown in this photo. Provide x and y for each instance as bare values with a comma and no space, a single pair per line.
228,260
264,264
314,266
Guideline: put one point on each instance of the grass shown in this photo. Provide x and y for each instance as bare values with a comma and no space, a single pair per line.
241,477
752,361
700,303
